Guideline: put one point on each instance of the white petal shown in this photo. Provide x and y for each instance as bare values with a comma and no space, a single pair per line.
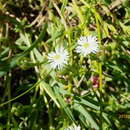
92,48
62,61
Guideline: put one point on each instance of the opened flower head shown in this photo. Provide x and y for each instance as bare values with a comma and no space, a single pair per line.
73,127
59,58
87,45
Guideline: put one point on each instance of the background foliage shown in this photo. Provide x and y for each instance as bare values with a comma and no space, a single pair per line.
93,92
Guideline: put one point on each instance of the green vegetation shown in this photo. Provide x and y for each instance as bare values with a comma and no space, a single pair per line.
90,92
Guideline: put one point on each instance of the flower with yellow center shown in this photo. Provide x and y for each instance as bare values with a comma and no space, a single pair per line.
87,45
59,58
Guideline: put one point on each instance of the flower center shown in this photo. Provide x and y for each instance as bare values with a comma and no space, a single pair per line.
86,45
57,57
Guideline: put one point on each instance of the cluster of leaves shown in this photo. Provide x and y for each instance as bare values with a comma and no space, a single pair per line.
92,92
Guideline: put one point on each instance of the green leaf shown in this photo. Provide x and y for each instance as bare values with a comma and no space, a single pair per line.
50,92
15,60
55,36
88,102
87,115
64,105
3,53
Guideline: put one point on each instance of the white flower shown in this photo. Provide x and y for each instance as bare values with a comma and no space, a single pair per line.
73,127
87,45
59,58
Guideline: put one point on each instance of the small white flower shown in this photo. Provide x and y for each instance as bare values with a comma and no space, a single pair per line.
59,58
73,127
87,45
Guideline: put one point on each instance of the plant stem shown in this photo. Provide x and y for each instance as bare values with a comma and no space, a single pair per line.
49,111
98,18
8,80
100,46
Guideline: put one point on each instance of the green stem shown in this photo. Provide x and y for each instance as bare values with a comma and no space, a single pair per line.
49,112
99,38
97,17
70,45
1,105
100,75
8,80
81,60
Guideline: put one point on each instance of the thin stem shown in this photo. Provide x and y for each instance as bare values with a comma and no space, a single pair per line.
99,38
78,11
1,105
97,17
70,45
60,14
49,112
100,75
8,80
81,17
8,86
